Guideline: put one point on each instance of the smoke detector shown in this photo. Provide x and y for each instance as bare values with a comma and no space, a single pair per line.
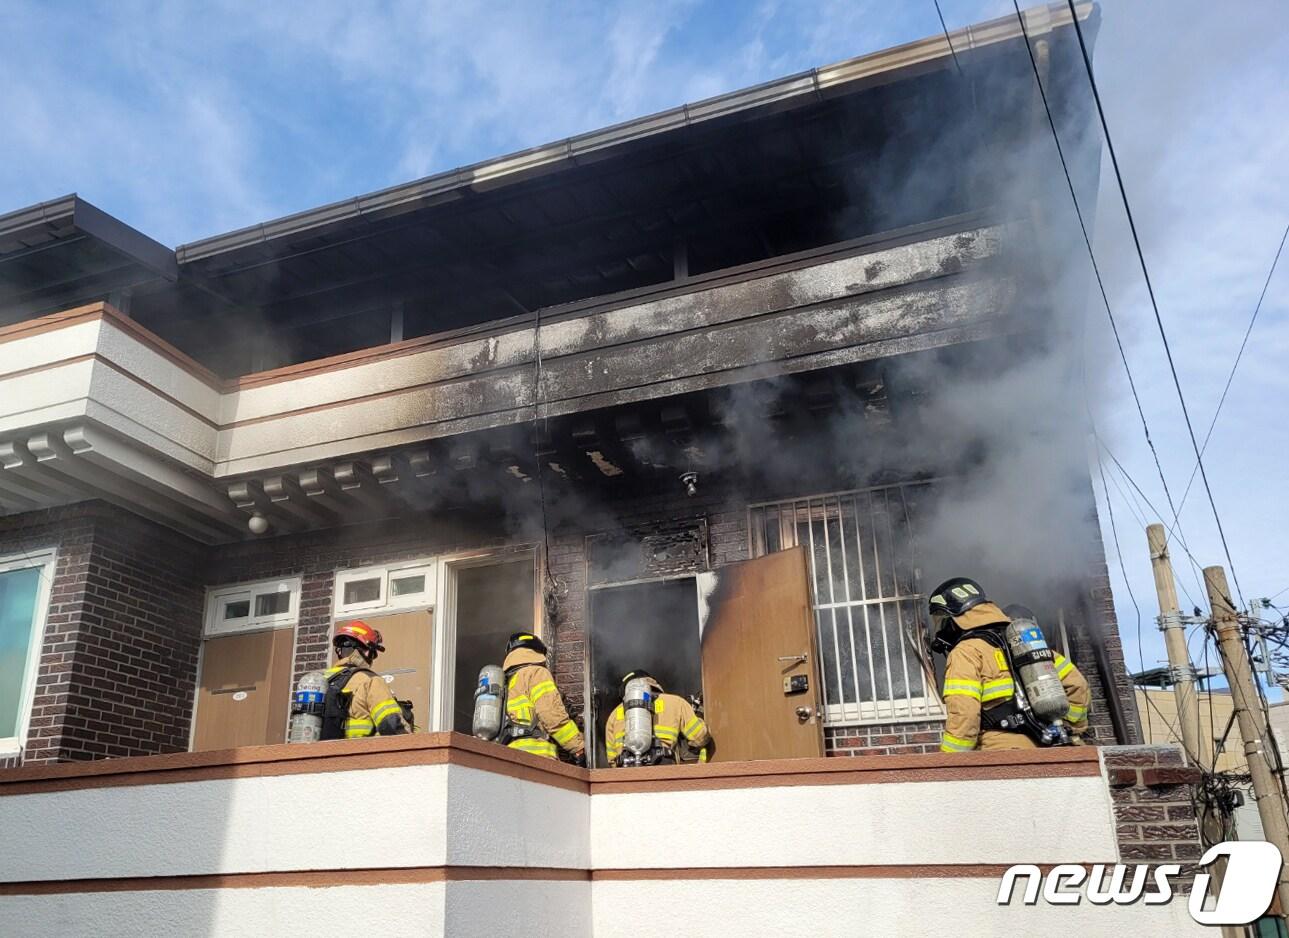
690,481
258,523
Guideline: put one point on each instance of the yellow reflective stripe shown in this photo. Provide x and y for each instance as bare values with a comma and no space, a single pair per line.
702,754
657,705
565,733
962,688
667,734
538,747
692,727
1063,666
384,709
1076,714
998,689
358,728
951,743
538,691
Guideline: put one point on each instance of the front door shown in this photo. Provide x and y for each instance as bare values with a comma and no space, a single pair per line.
405,662
245,690
760,680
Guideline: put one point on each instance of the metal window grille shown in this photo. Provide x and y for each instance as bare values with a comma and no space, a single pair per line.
867,601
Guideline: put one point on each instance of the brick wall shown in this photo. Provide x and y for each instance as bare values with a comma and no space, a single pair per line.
118,665
883,739
1155,820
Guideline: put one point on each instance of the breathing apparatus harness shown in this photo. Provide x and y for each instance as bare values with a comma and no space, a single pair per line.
1015,715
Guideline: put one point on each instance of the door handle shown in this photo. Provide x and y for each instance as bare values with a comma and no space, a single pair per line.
804,714
795,659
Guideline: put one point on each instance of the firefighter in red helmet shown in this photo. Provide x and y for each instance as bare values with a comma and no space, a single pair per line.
365,705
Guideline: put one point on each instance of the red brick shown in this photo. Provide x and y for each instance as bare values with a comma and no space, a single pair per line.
1122,778
1183,775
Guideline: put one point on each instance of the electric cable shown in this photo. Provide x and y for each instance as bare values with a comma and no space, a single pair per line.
1234,365
1150,289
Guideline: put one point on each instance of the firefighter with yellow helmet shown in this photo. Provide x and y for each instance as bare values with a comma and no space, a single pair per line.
536,720
651,726
358,702
1004,687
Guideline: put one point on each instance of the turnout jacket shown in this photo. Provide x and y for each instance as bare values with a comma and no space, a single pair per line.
976,677
371,704
533,702
673,717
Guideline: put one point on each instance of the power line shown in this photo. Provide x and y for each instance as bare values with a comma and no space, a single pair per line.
953,52
1236,364
1150,289
1105,298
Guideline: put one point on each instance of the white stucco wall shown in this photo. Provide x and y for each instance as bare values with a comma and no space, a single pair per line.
849,908
268,824
923,822
443,823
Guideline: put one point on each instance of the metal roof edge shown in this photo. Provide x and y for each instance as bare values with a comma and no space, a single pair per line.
857,72
93,221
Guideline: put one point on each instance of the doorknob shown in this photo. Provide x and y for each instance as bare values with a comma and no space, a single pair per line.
804,714
795,659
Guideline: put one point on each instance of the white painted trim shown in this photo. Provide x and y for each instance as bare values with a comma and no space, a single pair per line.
218,596
44,561
386,602
445,635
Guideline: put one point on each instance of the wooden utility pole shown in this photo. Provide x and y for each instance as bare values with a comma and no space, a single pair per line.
1197,745
1248,710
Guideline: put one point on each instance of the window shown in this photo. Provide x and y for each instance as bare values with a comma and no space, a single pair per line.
396,586
24,601
246,607
867,601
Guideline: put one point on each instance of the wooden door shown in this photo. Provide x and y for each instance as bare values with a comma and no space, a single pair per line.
405,662
760,661
245,690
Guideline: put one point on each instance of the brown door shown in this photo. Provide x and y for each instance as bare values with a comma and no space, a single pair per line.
759,661
405,662
245,690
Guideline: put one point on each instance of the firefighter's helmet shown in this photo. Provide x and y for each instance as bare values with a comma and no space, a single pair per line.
955,596
359,633
638,673
526,640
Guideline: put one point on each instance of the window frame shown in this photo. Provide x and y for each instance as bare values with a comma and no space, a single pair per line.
920,708
387,602
217,597
45,561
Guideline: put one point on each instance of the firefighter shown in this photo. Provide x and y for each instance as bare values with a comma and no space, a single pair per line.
366,705
979,688
536,718
673,719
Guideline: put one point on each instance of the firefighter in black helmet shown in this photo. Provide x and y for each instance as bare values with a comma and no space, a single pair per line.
536,719
979,687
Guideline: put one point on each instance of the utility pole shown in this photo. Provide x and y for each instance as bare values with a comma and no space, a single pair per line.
1197,745
1248,710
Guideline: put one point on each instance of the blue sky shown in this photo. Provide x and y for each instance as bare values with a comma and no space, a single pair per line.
186,120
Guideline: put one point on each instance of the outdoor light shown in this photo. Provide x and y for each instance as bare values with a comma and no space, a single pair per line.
258,523
690,481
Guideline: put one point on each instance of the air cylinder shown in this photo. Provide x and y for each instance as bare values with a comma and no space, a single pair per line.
637,704
306,708
489,702
1035,662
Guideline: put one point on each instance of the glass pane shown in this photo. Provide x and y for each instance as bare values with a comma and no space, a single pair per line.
407,585
272,604
18,589
362,591
238,609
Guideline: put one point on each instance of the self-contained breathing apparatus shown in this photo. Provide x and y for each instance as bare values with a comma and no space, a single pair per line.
639,747
320,707
1038,702
492,719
